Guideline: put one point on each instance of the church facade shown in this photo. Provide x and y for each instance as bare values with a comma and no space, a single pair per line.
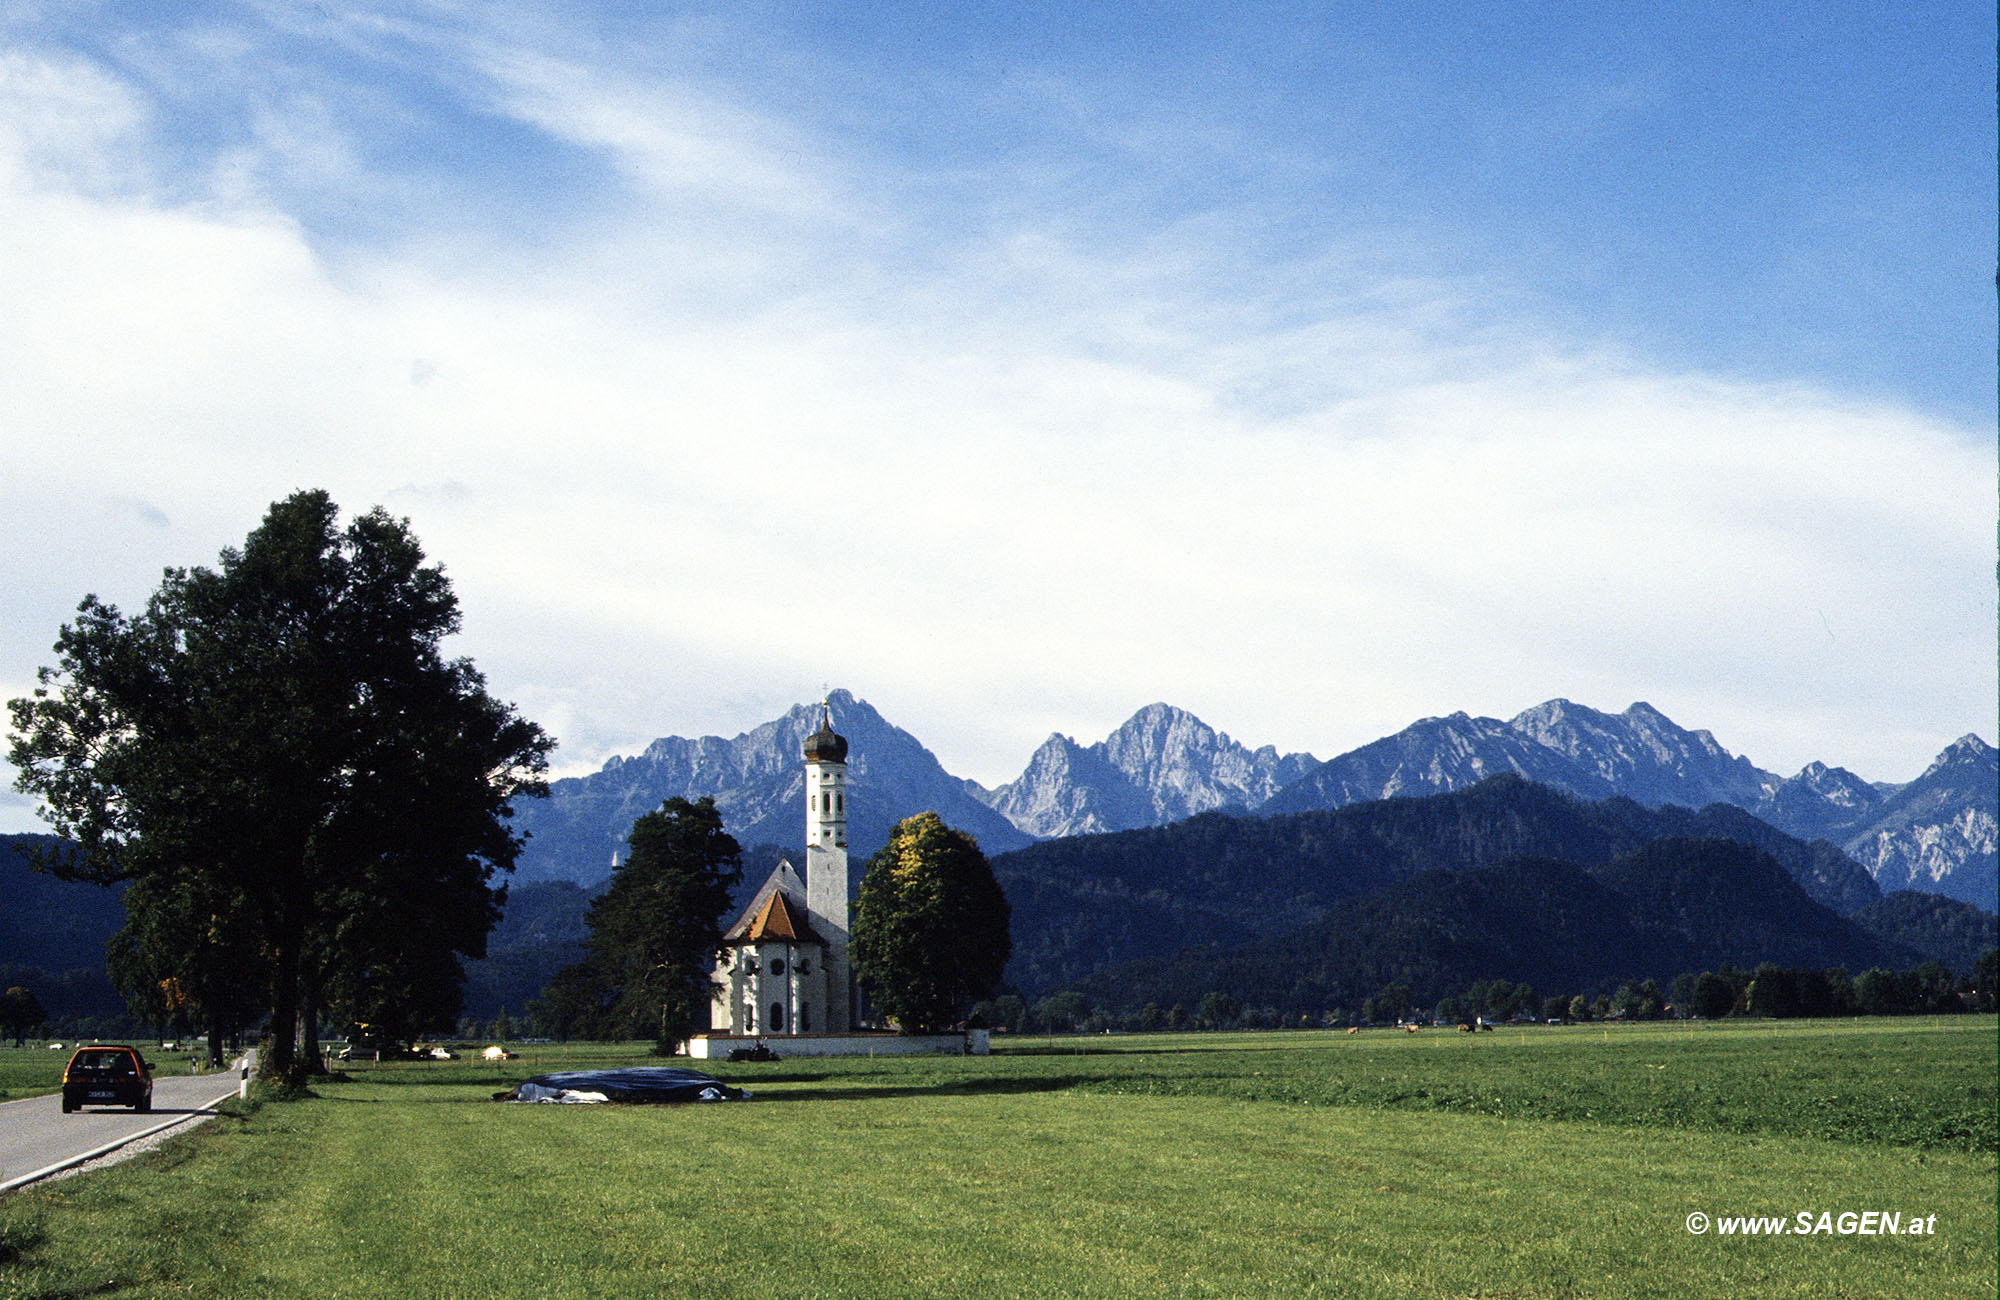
786,971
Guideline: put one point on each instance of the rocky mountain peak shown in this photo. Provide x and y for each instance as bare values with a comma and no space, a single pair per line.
757,780
1160,765
1968,751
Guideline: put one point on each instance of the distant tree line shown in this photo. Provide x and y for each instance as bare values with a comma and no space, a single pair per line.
1769,991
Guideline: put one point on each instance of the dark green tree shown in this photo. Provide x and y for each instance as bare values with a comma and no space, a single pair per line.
20,1011
573,1004
1638,1001
1714,995
930,926
656,932
1062,1013
287,727
1986,979
187,958
1217,1011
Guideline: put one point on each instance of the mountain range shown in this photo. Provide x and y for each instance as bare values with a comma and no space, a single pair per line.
1936,833
1668,907
1090,902
758,784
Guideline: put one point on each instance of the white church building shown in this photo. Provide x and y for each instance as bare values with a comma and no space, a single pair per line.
784,982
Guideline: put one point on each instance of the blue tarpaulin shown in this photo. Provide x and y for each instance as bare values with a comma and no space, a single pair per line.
638,1084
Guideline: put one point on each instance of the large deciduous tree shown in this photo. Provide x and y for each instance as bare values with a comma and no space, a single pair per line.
656,932
930,926
286,730
20,1011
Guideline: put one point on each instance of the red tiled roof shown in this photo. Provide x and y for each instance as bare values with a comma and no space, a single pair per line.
778,921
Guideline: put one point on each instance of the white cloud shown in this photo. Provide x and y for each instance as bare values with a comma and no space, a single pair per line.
1028,484
64,121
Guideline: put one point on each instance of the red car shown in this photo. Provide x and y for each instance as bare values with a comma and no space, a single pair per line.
107,1076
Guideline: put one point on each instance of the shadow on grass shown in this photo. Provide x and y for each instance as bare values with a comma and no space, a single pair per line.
414,1081
954,1088
887,1092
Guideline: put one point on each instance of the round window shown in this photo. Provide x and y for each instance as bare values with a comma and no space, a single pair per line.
777,966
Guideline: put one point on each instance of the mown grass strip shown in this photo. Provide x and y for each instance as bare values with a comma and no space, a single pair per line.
433,1191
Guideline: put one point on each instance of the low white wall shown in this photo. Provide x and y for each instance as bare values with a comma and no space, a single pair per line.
717,1047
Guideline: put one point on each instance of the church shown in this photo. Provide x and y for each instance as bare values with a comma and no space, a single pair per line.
784,981
786,968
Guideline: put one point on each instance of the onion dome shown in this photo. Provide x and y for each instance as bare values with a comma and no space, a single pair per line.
823,746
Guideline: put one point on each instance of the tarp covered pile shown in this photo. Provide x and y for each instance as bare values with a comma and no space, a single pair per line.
638,1084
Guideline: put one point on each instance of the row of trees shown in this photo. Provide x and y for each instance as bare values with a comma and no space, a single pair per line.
1767,991
308,797
1928,989
929,930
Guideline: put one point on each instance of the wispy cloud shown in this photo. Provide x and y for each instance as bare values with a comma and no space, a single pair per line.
769,411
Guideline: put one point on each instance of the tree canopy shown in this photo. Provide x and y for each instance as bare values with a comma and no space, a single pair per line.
656,931
286,731
20,1011
931,925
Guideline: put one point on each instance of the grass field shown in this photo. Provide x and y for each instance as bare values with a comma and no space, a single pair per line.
34,1070
1553,1162
29,1071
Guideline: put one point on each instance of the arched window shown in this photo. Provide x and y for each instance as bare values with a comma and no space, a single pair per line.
805,1018
777,1017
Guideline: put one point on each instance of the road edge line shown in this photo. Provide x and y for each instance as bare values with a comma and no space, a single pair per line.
207,1108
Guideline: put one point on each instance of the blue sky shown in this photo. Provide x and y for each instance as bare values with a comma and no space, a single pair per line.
1312,367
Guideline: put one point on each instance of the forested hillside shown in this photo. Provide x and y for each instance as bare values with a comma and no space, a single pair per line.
1088,903
1671,906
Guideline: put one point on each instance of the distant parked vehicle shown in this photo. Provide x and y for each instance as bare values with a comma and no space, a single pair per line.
107,1076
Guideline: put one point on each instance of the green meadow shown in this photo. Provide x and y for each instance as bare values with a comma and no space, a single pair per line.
30,1071
1556,1162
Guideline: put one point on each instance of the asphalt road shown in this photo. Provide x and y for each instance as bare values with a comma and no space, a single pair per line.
37,1138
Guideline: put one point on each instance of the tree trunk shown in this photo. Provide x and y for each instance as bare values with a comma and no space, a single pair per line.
283,1055
310,1060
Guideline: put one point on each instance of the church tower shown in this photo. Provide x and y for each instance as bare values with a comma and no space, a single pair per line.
826,863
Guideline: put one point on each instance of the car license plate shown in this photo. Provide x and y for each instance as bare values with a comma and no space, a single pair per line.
101,1096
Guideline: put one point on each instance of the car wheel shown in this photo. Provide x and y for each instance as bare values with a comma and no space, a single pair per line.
68,1105
144,1105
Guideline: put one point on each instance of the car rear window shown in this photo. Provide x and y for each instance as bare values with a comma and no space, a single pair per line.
116,1061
